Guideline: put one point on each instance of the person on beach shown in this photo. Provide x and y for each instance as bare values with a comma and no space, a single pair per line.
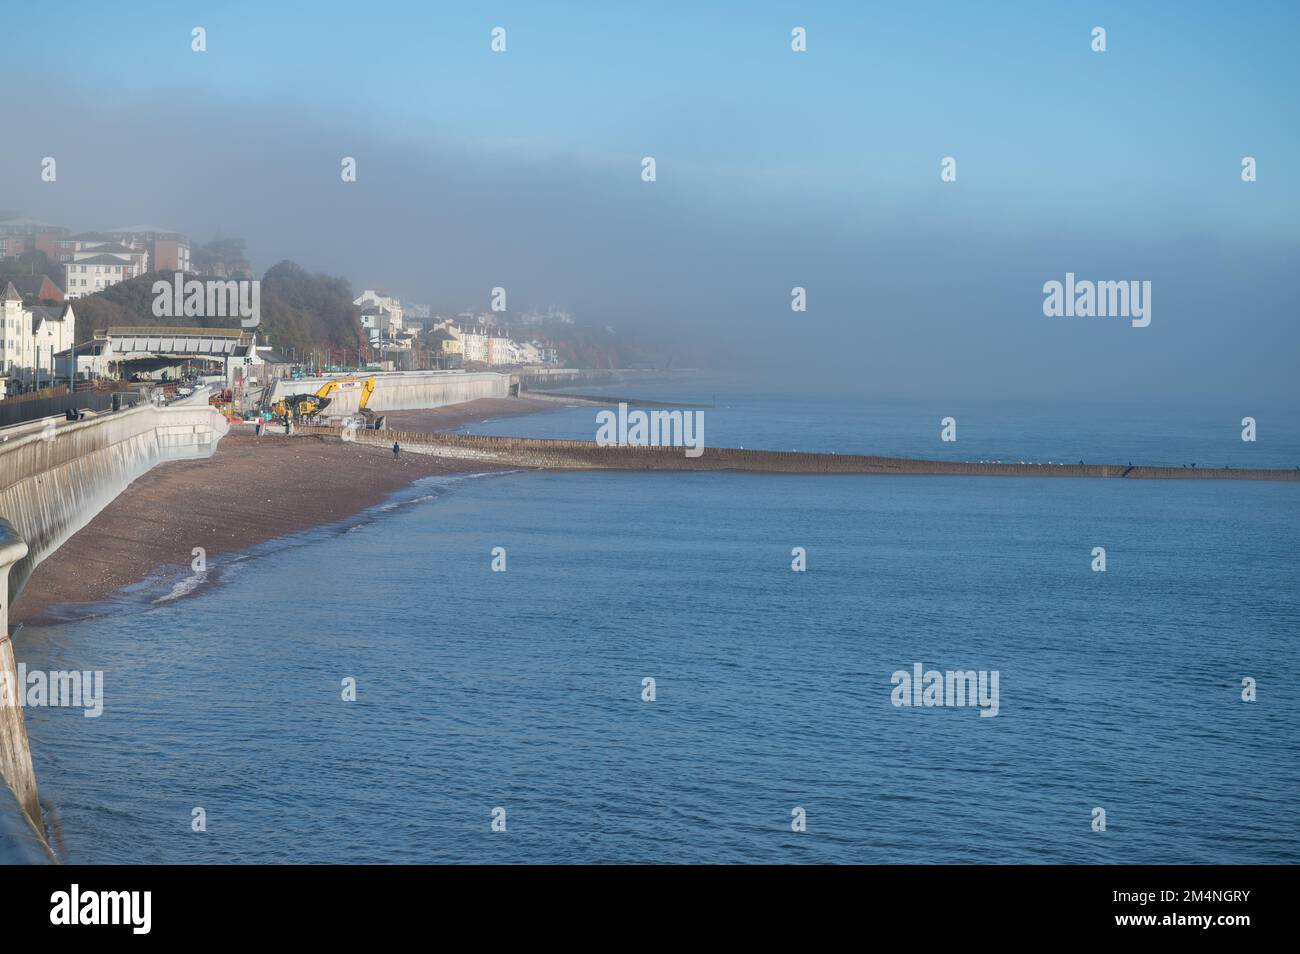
397,450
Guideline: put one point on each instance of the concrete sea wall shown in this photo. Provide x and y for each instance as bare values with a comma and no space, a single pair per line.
406,391
20,839
54,477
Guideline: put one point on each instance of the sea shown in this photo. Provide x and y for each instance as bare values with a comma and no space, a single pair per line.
611,667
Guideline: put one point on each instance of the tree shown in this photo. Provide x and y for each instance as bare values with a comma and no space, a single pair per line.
34,262
309,311
298,309
223,257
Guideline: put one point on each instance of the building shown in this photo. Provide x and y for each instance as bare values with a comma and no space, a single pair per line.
552,315
83,362
92,263
547,353
445,350
30,337
28,235
93,272
481,344
378,323
500,349
38,288
370,301
528,353
269,364
473,342
160,353
168,251
442,341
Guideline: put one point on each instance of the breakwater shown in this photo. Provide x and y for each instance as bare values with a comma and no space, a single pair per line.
542,378
569,399
587,455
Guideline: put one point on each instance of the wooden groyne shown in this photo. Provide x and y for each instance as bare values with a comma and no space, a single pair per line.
587,455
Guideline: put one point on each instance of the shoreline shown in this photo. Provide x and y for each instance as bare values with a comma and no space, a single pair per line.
250,492
256,490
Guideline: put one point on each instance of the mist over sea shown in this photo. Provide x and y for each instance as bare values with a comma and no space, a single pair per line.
523,689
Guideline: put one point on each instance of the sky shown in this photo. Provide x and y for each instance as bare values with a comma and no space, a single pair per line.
775,169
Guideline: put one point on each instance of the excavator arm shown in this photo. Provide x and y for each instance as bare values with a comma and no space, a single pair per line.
367,389
310,405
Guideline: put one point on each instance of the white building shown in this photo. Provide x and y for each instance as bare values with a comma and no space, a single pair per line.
30,337
372,302
552,315
500,349
376,322
473,340
95,266
546,352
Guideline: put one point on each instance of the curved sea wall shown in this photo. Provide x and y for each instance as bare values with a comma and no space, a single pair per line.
20,840
405,390
54,477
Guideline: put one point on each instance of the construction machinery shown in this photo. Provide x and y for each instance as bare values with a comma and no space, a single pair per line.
306,407
374,422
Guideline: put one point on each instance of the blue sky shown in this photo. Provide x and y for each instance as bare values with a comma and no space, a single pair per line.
775,168
1011,89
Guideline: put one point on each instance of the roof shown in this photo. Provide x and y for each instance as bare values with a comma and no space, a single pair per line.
25,223
215,342
113,248
121,331
11,293
42,313
101,259
271,356
156,230
32,285
86,347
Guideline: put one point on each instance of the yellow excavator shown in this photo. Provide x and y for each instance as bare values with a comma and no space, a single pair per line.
304,407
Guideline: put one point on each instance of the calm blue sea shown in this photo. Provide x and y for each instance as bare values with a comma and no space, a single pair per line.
523,689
